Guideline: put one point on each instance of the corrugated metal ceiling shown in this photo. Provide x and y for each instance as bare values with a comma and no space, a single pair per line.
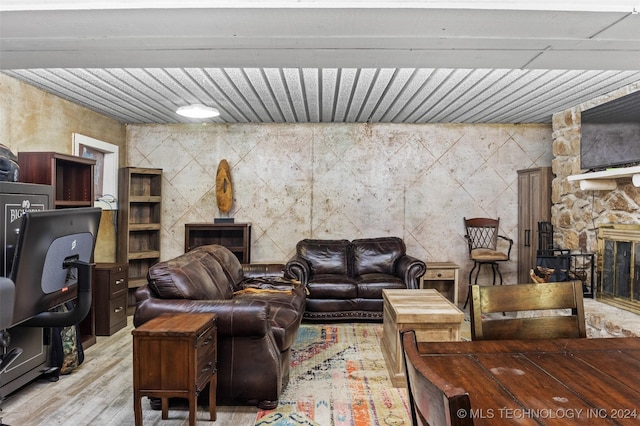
288,95
309,63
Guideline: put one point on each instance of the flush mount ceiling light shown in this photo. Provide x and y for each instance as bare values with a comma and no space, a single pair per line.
197,111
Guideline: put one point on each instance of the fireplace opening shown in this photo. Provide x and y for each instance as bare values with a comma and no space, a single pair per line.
619,251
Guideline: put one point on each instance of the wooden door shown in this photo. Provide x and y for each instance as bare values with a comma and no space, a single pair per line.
534,205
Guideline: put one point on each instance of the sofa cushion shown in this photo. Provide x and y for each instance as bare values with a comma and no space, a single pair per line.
195,276
230,264
370,286
377,255
326,256
330,286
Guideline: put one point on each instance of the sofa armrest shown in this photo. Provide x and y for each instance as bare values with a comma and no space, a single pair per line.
236,318
258,270
299,269
410,269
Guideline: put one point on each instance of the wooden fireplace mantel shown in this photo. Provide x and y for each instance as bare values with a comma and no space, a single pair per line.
606,179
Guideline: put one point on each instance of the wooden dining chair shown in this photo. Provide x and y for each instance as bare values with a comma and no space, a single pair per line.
433,401
486,300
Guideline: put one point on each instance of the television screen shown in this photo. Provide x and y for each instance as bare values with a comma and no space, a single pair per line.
48,244
610,134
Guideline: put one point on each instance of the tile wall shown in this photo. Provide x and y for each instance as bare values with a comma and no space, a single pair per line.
294,181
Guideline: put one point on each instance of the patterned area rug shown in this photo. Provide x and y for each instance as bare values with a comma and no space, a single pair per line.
338,377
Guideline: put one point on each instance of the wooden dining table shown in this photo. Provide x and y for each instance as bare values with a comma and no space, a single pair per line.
543,382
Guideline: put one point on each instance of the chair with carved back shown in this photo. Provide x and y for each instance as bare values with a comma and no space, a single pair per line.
433,401
559,304
482,235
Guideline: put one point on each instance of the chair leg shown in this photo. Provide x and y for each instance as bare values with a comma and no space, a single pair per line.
478,265
475,264
478,272
494,269
498,271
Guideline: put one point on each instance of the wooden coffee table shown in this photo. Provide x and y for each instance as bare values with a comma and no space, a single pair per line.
431,315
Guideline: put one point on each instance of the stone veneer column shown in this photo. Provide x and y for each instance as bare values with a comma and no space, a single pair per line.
575,214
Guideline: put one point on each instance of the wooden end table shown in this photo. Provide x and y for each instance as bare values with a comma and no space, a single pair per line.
430,314
442,276
174,355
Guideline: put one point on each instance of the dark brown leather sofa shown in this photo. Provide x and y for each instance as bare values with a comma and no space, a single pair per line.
256,327
344,279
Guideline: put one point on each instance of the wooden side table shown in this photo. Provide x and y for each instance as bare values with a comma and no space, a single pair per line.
442,276
174,355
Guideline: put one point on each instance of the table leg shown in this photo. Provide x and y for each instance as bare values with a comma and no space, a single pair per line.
137,408
165,408
213,383
193,405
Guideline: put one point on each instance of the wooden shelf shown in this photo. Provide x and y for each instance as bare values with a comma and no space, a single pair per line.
149,254
619,172
65,204
70,176
143,227
139,227
606,179
234,236
138,282
146,199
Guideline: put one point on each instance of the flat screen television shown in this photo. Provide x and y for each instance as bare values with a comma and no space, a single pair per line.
53,255
610,134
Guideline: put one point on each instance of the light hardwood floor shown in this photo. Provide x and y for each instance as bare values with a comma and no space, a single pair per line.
100,392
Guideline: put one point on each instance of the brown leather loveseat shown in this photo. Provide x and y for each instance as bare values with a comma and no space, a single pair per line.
344,280
258,317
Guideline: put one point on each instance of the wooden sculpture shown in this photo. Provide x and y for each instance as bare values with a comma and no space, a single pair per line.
224,195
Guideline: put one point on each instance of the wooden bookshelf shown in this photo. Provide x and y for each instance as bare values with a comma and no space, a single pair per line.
234,236
70,176
140,193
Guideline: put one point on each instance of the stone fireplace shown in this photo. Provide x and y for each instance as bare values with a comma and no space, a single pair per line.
577,215
619,251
